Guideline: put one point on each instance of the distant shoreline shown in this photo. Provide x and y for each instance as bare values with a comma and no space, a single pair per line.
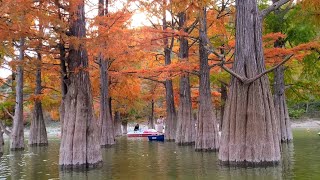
53,130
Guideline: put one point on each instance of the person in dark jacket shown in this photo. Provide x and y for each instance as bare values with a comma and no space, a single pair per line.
136,127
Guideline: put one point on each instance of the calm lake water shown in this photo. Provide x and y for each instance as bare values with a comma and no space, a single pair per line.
136,158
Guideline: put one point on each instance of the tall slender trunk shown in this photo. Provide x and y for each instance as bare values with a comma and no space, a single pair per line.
1,142
80,147
207,133
171,119
151,117
17,135
285,131
249,132
117,123
279,97
184,135
223,103
38,132
107,124
125,127
63,82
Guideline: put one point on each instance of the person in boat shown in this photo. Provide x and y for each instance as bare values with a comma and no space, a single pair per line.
136,127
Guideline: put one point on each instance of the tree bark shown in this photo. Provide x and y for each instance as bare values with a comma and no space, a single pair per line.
184,135
125,127
1,142
285,131
38,132
249,132
223,103
151,117
17,135
117,123
63,79
107,126
171,119
80,147
207,133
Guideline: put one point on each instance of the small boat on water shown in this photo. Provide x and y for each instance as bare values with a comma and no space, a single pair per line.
319,133
144,133
158,137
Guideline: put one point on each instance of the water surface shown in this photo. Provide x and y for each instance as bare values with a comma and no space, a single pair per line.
137,158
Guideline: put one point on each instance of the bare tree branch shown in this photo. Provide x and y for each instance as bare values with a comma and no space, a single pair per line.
251,80
5,130
273,7
7,111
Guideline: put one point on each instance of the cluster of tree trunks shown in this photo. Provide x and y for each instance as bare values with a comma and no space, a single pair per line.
17,135
250,123
184,135
207,133
80,141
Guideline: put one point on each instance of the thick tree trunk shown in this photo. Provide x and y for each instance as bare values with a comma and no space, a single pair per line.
117,123
17,135
124,127
80,147
184,135
249,132
207,133
171,119
285,131
107,126
38,132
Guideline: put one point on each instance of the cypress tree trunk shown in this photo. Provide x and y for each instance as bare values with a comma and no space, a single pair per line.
285,131
117,123
184,135
151,117
17,135
223,103
125,127
207,133
1,142
107,126
249,132
80,147
63,81
171,119
38,132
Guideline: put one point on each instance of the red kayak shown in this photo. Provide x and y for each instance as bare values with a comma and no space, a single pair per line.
145,133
